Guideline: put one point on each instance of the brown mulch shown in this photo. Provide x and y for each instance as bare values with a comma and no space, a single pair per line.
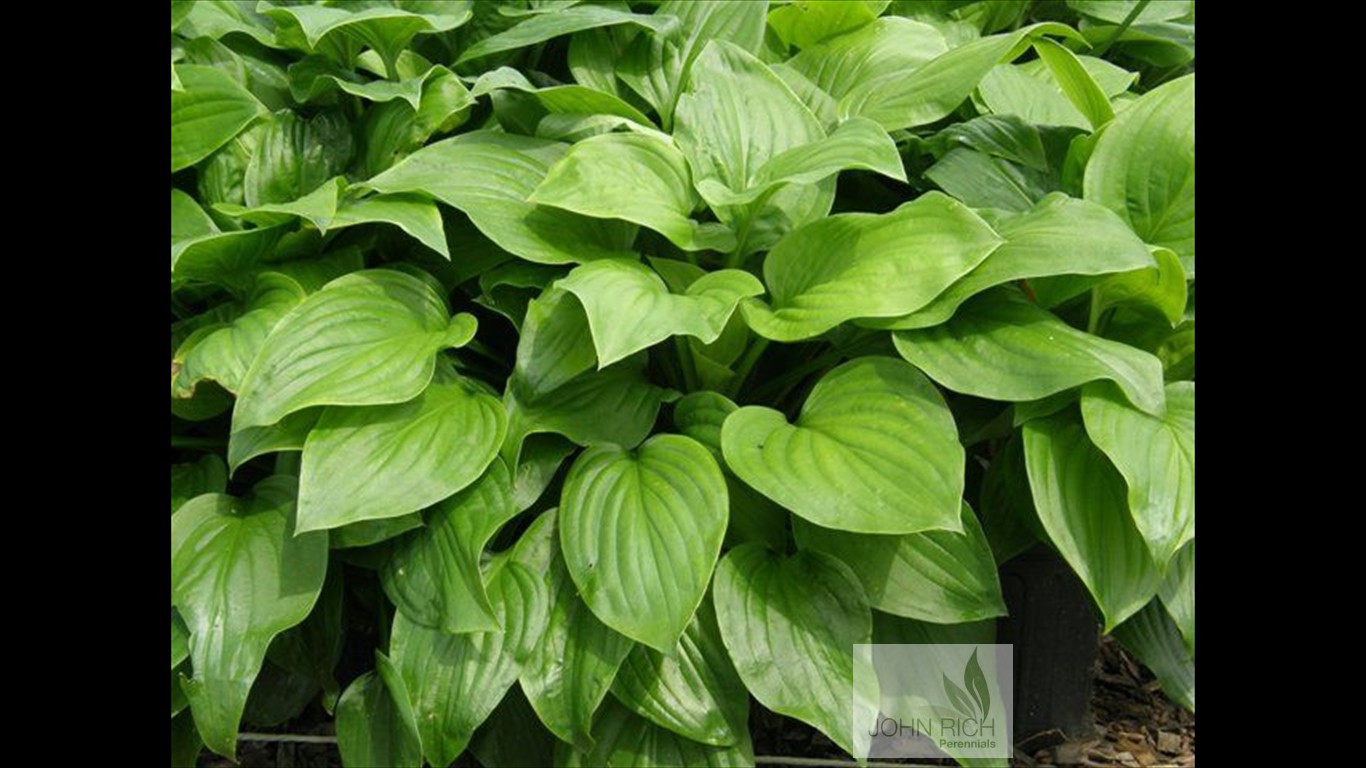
1136,726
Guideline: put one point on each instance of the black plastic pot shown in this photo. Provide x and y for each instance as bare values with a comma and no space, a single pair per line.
1056,637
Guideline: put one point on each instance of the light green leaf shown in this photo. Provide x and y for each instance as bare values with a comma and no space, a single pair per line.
635,177
180,641
239,577
375,723
224,355
700,415
489,176
807,22
287,434
541,458
857,265
1059,236
572,668
538,29
622,738
1159,290
555,345
368,532
455,681
1076,82
1156,456
1153,638
938,576
875,450
906,99
1178,593
1117,12
982,180
641,531
790,624
1080,500
855,143
367,338
179,10
216,18
616,406
888,46
1143,168
389,460
735,115
188,220
1001,346
630,308
693,691
433,575
208,111
1031,95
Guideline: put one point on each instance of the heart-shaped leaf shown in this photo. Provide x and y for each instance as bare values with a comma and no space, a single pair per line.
875,450
375,722
641,531
208,110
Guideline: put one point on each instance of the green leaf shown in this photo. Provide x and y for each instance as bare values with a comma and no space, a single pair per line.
562,99
571,669
179,10
855,143
216,18
906,99
656,67
1029,94
367,338
189,480
641,531
735,115
188,220
512,737
455,681
375,723
1156,456
224,355
1143,168
888,46
1178,593
790,624
1159,290
1002,346
185,743
1153,638
693,690
180,640
206,113
1059,236
938,576
700,415
1012,525
368,532
622,738
616,406
875,450
489,176
1076,82
856,265
808,22
629,307
239,577
540,461
555,345
389,460
1080,500
432,575
538,29
294,157
636,177
287,434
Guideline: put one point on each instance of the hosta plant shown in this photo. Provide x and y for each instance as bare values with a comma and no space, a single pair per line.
559,380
